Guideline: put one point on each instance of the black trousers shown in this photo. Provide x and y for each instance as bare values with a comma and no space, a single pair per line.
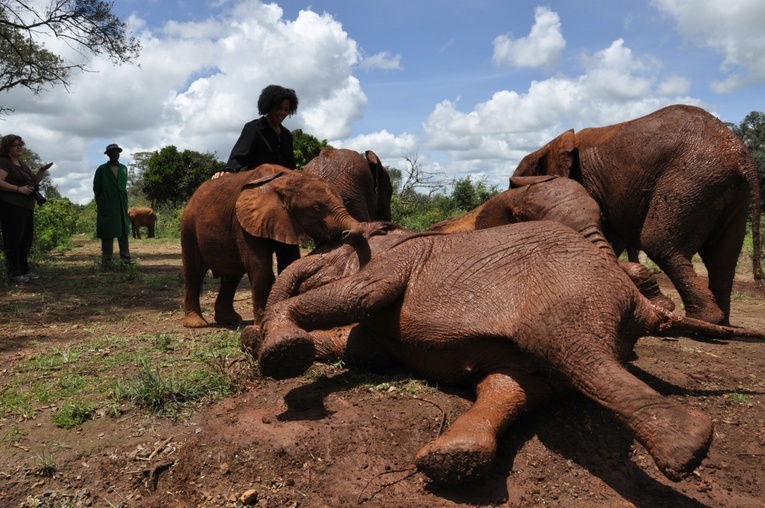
107,248
17,224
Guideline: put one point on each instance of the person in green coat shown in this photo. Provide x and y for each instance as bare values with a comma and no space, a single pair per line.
110,188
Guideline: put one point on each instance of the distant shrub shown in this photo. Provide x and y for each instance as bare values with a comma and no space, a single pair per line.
55,224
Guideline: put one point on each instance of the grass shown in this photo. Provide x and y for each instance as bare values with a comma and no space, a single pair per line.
161,373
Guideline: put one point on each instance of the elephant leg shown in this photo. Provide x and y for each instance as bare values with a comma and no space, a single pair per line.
645,280
224,303
468,448
698,299
193,275
720,258
676,437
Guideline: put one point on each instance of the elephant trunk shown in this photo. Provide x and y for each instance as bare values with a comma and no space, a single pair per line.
595,235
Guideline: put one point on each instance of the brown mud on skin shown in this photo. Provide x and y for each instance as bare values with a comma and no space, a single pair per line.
338,438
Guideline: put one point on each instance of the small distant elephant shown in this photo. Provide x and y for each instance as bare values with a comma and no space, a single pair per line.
522,312
672,183
142,217
362,181
235,224
533,198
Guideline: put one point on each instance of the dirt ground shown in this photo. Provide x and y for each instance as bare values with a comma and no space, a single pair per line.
339,438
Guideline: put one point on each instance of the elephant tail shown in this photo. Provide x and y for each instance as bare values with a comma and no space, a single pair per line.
672,325
750,173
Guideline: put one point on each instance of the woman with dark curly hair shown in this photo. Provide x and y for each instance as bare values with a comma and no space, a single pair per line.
265,140
18,187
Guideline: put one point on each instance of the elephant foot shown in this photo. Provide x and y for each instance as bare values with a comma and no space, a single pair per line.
679,441
227,317
194,320
457,457
287,355
710,313
251,339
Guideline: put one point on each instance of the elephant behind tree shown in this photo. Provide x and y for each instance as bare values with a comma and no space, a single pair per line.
362,181
512,310
534,198
673,183
235,224
142,217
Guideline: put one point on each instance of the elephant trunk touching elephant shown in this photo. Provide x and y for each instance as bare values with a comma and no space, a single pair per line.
234,225
522,312
142,217
673,183
535,198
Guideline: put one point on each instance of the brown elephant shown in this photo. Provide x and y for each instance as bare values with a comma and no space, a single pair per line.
672,183
533,198
142,217
362,181
235,224
523,312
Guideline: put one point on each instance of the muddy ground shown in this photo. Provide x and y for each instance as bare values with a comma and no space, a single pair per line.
337,438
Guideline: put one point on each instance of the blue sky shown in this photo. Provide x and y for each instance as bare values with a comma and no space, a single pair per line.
469,87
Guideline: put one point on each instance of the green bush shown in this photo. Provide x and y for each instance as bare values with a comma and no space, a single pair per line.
55,223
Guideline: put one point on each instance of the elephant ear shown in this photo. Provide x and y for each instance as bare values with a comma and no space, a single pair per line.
262,212
383,186
555,158
523,181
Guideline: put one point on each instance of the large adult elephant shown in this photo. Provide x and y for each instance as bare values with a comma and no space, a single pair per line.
523,312
547,197
142,217
672,183
235,224
362,181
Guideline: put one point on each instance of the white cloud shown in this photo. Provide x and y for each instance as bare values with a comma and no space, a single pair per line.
541,48
732,29
382,61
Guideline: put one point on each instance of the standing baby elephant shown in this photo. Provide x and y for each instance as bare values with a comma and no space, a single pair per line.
534,198
234,225
142,217
522,312
672,183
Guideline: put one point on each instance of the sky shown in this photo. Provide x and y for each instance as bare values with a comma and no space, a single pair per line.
465,88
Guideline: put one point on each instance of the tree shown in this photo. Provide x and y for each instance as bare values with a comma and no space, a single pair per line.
752,131
172,177
87,25
305,147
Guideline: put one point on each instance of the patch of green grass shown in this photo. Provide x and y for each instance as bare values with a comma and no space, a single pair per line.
738,398
13,435
737,295
73,414
159,372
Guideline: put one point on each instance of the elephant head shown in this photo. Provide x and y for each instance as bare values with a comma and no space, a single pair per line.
361,181
558,157
275,206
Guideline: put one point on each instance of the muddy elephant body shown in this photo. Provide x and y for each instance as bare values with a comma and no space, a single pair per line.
362,181
673,183
559,199
521,312
142,217
233,225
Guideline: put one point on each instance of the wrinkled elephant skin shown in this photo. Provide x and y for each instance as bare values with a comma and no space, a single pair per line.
235,224
673,183
534,198
513,310
361,180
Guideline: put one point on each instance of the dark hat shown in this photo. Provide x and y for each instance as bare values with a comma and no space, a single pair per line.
111,147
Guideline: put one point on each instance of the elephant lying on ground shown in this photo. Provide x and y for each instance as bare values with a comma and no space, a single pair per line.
533,198
513,310
142,217
362,181
234,224
672,183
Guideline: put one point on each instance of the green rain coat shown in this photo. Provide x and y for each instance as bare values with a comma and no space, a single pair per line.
111,202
